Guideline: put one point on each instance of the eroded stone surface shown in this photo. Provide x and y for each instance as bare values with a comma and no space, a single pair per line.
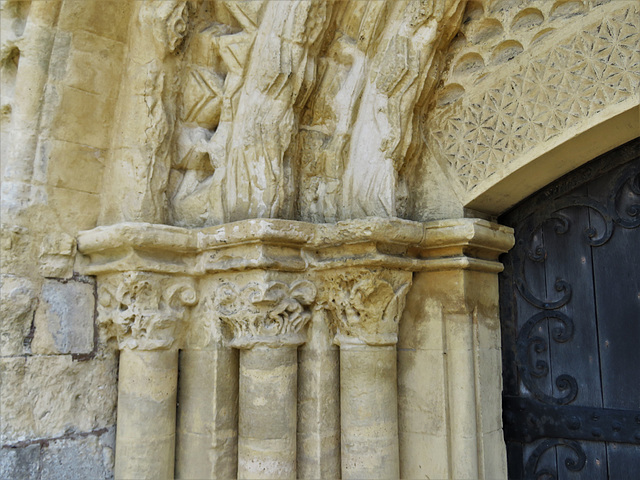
88,456
17,306
199,113
64,320
52,395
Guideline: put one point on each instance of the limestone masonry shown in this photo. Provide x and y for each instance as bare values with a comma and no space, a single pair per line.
258,239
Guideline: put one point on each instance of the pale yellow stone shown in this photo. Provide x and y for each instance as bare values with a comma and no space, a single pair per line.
369,412
47,396
147,392
197,114
267,413
318,432
207,423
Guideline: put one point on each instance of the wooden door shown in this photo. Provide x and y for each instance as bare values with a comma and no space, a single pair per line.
570,313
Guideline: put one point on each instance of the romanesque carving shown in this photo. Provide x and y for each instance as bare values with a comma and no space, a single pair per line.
265,67
143,310
272,313
560,84
359,127
169,20
365,305
252,72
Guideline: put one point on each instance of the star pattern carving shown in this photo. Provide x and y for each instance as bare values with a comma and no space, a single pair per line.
556,90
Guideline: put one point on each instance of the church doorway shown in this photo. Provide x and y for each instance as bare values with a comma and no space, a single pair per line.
570,313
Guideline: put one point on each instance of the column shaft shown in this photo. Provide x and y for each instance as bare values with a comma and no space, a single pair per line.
369,412
145,437
319,403
207,434
267,413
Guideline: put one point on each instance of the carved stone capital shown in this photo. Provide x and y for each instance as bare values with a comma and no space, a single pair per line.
265,313
255,275
365,305
142,310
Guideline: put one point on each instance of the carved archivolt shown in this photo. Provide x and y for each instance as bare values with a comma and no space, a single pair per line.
272,109
555,82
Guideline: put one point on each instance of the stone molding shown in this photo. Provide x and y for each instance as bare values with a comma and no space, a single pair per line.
268,273
566,80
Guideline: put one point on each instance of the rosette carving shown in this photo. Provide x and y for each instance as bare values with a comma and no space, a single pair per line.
142,310
271,313
365,305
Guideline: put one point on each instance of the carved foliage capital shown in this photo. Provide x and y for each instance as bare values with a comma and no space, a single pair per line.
269,313
142,310
365,305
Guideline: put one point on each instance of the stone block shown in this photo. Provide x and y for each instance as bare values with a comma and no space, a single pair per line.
83,117
76,167
421,322
494,455
64,319
105,18
50,396
490,389
75,210
17,304
57,254
95,65
423,456
83,457
20,463
421,392
15,240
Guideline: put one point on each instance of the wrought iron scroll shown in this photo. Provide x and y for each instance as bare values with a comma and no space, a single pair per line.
622,209
527,341
574,463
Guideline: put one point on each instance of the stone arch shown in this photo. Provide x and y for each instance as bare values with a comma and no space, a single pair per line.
556,158
567,97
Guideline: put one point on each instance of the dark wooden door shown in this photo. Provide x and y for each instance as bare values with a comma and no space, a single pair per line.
570,312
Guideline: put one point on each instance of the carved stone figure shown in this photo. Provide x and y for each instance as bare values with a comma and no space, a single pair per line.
266,64
242,106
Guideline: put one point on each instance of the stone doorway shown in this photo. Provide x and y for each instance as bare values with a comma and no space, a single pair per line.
570,306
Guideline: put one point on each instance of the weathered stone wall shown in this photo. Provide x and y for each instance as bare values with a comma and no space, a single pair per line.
199,113
61,64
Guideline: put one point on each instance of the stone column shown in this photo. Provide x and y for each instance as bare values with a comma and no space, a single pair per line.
366,305
207,427
449,359
268,320
143,311
319,402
